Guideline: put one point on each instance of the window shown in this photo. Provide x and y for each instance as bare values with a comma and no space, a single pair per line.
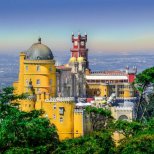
54,106
37,89
123,117
50,69
61,110
29,105
54,116
27,83
82,43
26,68
38,81
50,81
61,119
121,92
37,68
121,86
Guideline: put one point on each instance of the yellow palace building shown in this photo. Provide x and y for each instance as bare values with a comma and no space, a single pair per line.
37,77
54,89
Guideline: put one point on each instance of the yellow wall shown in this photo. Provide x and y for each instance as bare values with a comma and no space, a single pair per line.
28,71
78,123
66,123
27,105
103,90
20,88
71,125
97,89
44,74
117,137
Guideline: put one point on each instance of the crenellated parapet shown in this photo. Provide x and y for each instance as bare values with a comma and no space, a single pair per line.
60,99
78,111
123,112
121,108
39,61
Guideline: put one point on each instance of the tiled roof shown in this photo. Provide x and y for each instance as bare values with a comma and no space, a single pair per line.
63,67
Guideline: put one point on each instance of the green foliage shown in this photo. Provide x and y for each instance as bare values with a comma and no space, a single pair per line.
141,141
145,78
142,144
30,133
150,107
127,128
100,118
145,108
101,111
7,96
24,132
96,143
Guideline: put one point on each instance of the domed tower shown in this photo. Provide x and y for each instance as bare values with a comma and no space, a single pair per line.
37,71
74,64
82,64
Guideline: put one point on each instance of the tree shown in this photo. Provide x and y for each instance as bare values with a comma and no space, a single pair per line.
24,132
128,129
141,144
100,118
150,107
142,82
142,141
97,142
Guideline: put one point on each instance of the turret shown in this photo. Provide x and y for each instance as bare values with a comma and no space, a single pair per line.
82,64
21,72
79,47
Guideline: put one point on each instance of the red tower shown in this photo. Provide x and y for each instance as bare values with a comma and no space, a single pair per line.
79,47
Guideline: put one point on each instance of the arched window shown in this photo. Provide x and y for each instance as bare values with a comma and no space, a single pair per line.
54,116
38,82
50,81
61,119
37,89
26,68
38,68
54,106
27,83
50,69
123,117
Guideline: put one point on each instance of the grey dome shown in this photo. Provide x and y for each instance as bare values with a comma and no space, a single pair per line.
39,51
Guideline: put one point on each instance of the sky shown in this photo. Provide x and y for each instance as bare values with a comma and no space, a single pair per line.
111,25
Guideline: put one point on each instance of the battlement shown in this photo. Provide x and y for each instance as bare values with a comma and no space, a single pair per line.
39,61
78,111
121,108
79,37
60,99
22,53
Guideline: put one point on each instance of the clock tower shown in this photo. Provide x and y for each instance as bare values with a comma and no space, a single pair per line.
79,47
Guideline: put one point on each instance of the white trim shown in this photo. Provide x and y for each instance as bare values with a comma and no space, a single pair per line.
92,77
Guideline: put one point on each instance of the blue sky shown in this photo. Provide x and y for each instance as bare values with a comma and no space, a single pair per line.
112,25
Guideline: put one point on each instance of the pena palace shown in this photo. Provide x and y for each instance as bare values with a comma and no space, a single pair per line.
63,91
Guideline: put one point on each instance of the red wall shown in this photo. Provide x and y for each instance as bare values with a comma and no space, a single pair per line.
131,78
